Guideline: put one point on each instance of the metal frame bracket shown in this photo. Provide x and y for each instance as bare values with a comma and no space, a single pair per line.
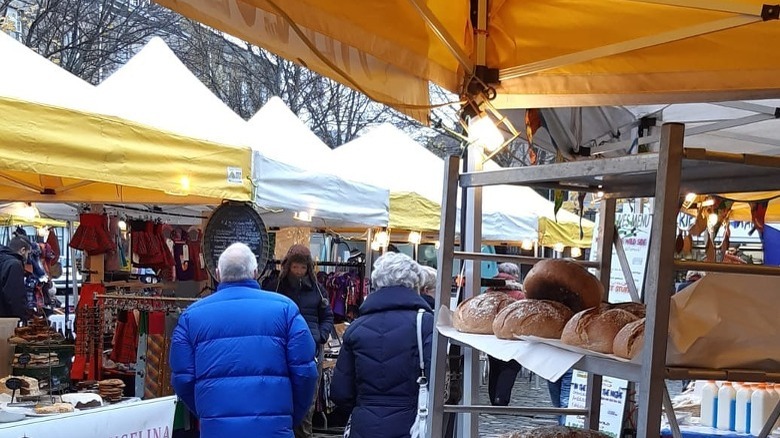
770,12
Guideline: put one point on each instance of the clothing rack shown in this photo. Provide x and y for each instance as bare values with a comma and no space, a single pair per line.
326,264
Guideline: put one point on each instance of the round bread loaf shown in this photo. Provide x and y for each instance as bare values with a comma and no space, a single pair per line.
555,432
476,314
565,282
541,318
637,309
595,330
630,340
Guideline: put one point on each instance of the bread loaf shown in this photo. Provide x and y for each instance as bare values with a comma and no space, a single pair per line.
476,314
56,408
542,318
565,282
630,340
636,309
595,330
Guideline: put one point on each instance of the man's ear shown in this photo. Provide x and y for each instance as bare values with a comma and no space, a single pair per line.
216,275
255,274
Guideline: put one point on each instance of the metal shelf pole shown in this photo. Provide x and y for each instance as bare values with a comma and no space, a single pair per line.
468,424
443,287
660,279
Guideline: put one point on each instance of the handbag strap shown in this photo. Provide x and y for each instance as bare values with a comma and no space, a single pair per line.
420,313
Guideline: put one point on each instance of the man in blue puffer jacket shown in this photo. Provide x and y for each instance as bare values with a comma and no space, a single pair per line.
242,359
379,364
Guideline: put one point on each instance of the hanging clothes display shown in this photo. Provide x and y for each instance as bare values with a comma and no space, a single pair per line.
92,234
344,292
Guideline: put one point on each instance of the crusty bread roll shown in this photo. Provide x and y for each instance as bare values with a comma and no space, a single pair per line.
630,340
565,282
595,330
542,318
56,408
636,309
476,314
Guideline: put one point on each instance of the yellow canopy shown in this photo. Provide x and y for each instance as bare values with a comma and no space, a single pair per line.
547,53
567,233
9,220
51,154
410,211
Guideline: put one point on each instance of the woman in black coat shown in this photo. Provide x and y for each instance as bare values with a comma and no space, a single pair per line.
378,366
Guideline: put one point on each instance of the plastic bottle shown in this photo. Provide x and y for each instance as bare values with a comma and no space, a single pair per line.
727,406
762,401
709,404
742,415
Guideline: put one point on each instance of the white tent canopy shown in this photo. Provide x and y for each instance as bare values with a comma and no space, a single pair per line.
331,202
27,76
739,127
279,134
387,157
155,88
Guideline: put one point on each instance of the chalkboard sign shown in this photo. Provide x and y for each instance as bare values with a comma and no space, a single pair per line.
24,359
13,384
234,222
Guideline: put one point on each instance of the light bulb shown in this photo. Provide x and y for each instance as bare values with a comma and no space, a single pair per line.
527,245
483,132
712,220
599,194
185,183
436,244
690,197
122,226
382,239
302,216
709,202
576,252
559,247
415,238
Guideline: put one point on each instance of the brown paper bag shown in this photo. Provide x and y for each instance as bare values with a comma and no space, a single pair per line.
726,321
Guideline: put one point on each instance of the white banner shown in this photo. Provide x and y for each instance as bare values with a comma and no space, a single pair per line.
613,402
143,419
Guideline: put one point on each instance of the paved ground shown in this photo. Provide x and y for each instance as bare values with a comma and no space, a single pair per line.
527,392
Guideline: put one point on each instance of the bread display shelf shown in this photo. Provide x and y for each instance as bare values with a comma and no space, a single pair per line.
667,176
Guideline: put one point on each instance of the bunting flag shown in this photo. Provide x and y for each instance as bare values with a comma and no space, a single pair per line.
722,208
533,121
758,213
558,199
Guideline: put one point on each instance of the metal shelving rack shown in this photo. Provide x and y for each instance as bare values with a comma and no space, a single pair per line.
666,175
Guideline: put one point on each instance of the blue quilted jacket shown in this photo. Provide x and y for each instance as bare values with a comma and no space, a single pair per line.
376,373
242,360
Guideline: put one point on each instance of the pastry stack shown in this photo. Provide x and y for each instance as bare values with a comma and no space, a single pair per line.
37,360
111,390
37,330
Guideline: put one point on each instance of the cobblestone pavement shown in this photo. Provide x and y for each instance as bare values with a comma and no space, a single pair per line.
528,391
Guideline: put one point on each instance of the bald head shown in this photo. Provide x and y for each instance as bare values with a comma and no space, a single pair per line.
237,263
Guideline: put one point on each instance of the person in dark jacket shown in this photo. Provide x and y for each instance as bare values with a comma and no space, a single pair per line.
298,282
242,359
378,366
13,295
501,374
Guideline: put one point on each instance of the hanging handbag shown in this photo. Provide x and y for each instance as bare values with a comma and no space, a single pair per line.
418,429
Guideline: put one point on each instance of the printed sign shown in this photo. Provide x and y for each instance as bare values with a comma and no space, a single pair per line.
634,230
613,402
143,419
235,175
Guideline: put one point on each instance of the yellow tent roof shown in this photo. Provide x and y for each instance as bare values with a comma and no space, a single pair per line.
410,211
51,154
547,53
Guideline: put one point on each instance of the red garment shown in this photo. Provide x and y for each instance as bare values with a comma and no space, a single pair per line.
156,323
92,235
54,243
125,339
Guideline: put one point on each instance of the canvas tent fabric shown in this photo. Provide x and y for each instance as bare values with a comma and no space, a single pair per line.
55,152
332,202
547,53
276,132
387,157
52,154
156,89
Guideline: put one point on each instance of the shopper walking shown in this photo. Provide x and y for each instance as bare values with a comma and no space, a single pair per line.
298,282
13,295
501,374
378,367
242,359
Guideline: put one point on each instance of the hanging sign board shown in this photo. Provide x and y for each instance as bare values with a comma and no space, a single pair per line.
234,222
613,403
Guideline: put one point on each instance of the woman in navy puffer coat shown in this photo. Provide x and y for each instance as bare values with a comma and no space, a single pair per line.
378,366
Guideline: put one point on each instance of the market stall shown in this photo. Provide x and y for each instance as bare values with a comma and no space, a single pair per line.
679,341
